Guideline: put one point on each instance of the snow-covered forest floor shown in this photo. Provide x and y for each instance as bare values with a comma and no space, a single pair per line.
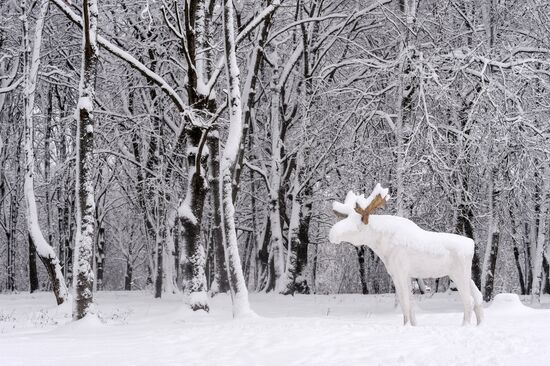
136,329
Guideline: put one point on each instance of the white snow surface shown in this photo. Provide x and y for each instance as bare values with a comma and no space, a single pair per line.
136,329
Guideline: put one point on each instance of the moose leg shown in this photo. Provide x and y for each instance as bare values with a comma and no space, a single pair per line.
478,301
462,282
403,292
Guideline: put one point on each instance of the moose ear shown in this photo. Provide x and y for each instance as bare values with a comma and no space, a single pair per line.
340,210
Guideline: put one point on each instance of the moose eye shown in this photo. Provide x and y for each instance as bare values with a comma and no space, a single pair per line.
339,215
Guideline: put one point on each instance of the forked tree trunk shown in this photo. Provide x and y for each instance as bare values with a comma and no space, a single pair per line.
85,222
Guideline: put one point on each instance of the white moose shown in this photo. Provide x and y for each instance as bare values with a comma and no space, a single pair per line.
407,251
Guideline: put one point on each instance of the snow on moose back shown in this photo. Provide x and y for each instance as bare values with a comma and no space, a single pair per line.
406,250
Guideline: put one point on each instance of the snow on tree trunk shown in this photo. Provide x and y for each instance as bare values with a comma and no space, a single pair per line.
405,92
85,201
239,292
43,249
190,214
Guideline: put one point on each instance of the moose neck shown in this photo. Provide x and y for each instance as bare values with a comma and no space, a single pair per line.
376,234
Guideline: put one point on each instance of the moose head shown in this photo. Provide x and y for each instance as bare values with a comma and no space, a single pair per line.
354,215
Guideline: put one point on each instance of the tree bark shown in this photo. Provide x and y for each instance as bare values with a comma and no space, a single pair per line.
85,222
362,270
221,280
190,214
33,273
491,267
541,238
491,249
239,291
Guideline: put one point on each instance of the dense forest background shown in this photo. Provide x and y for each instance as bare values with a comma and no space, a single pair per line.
447,103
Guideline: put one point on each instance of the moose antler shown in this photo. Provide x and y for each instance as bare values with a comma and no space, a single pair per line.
377,202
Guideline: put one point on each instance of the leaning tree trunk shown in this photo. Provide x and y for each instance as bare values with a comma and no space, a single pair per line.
85,221
43,249
239,292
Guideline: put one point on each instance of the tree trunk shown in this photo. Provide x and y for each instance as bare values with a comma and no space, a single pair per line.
190,213
33,273
159,257
43,249
491,249
85,222
129,269
288,286
239,291
517,260
276,242
47,169
100,256
546,278
362,270
464,227
221,281
541,238
170,260
491,267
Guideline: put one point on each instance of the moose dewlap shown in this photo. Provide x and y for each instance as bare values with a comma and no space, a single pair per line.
406,250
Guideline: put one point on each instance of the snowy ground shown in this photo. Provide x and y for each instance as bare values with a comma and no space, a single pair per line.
304,330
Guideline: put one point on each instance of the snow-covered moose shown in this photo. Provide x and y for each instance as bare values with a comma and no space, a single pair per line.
406,250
